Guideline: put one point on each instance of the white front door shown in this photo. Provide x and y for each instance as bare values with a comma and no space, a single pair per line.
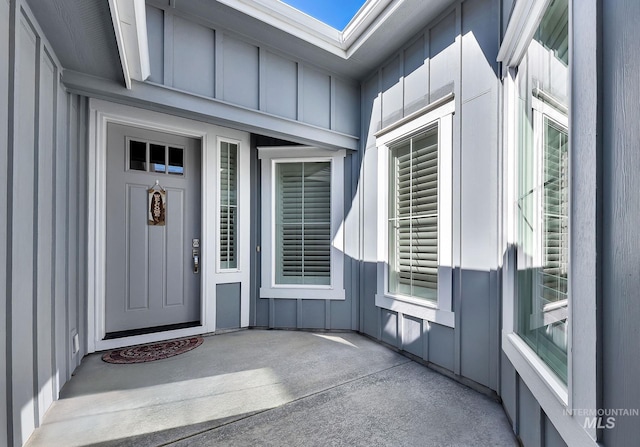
152,230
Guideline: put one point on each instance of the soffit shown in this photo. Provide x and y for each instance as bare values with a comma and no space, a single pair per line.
81,34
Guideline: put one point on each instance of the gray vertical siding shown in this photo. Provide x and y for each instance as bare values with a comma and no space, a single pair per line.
42,146
4,176
621,212
306,313
227,67
455,54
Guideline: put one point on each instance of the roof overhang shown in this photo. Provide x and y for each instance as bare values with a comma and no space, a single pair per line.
130,27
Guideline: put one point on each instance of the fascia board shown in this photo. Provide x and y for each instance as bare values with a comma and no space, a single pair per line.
288,19
524,21
292,21
130,27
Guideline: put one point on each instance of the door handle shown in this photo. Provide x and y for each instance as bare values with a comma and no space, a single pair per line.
196,261
195,253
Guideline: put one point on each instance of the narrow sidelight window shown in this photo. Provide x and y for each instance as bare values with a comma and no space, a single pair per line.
228,205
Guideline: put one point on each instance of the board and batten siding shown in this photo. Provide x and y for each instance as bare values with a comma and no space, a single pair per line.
306,313
456,54
42,222
211,62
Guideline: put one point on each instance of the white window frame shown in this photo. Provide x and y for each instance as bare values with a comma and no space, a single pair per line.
440,311
554,397
270,157
239,189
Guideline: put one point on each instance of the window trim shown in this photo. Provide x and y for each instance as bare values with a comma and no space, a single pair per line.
439,114
270,157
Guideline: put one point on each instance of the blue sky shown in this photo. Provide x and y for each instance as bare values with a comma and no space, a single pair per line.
336,13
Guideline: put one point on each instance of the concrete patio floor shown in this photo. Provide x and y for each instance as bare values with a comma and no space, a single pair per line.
276,388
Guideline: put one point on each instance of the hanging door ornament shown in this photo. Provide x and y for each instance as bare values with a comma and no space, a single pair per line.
157,204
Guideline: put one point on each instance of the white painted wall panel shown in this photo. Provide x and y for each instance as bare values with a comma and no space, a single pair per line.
63,372
416,76
316,97
371,110
45,260
155,37
347,107
193,57
22,234
240,72
444,57
392,96
281,86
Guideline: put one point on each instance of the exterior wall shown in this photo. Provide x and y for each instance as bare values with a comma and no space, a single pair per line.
214,63
306,313
455,54
620,210
44,224
538,415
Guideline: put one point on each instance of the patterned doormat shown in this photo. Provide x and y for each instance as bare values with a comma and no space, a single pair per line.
149,353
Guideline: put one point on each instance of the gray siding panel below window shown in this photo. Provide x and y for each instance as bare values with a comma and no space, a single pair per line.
389,327
529,417
412,335
228,306
312,314
441,345
285,313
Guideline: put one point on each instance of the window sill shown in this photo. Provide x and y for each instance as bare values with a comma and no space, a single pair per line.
417,308
522,356
302,292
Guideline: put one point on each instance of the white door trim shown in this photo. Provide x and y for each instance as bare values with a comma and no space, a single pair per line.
103,112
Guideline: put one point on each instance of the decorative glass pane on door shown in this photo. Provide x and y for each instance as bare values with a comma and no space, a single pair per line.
137,155
157,155
152,157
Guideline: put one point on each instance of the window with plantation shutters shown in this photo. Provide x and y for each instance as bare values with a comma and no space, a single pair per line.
228,205
413,216
303,223
555,250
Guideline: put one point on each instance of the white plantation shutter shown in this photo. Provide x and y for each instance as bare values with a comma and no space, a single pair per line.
303,223
228,205
555,240
413,217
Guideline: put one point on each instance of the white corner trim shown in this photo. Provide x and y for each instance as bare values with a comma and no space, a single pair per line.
130,27
524,21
